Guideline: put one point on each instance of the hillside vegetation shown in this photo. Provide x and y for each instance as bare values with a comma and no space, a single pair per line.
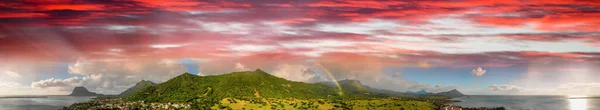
260,90
138,86
247,84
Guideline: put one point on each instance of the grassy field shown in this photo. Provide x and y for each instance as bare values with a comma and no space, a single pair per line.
386,104
321,104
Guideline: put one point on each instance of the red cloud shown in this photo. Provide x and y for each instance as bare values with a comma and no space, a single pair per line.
553,15
21,15
61,30
297,20
72,7
552,54
357,4
279,5
169,3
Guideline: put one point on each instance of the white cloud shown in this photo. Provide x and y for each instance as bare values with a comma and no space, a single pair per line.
572,89
126,67
579,89
227,28
315,44
11,74
505,88
26,71
200,74
8,84
402,85
360,27
478,71
52,82
560,78
297,73
252,48
112,77
241,67
9,88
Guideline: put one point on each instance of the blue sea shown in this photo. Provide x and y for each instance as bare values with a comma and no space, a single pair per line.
39,102
522,102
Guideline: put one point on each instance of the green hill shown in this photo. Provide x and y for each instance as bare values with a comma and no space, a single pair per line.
138,86
241,85
259,90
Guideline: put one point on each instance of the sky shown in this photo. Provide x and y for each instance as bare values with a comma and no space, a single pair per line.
506,47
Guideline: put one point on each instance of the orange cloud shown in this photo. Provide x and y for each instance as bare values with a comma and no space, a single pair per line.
564,55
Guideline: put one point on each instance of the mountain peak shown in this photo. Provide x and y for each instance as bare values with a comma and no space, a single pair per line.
451,93
185,75
255,73
82,91
349,81
145,82
422,92
259,71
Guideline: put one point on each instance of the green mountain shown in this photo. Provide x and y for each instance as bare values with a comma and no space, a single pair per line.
451,93
82,91
355,87
138,86
351,87
241,85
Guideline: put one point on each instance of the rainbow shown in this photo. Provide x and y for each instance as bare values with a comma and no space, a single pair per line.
358,87
355,82
331,75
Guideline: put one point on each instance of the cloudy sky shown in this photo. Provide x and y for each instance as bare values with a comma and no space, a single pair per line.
521,47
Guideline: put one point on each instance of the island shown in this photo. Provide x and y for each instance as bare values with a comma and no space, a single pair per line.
260,90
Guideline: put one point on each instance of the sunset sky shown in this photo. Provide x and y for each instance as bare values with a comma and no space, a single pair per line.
513,47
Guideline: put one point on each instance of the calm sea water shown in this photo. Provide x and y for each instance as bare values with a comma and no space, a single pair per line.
39,102
530,102
509,102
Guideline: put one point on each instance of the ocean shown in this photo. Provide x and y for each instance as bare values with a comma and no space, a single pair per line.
510,102
521,102
39,102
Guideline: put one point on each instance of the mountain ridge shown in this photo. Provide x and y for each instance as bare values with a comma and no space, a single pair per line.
138,86
250,84
349,84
